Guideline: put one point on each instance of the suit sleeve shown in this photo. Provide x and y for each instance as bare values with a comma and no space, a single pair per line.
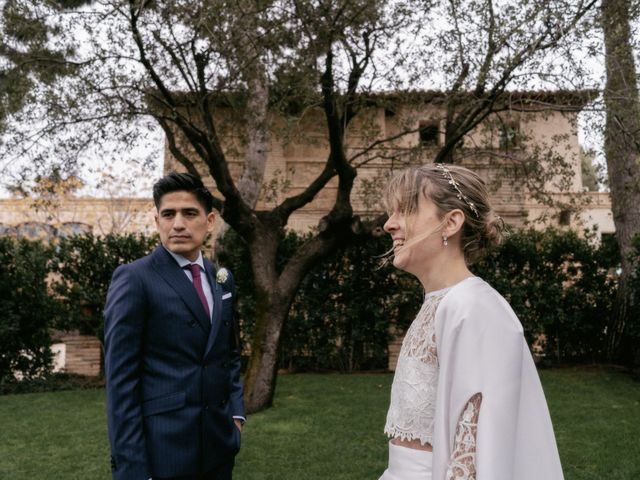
124,315
237,389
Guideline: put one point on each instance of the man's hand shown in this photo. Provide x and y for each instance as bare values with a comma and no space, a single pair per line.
238,424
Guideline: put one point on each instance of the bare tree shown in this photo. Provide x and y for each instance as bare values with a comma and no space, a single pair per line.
191,65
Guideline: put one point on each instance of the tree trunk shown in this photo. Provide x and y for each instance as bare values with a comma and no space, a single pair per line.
260,377
274,294
622,147
272,307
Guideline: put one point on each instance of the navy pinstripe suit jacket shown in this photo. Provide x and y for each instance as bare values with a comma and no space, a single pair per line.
173,376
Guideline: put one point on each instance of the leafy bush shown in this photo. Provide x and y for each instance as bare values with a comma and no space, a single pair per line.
84,265
560,287
344,309
342,312
629,351
26,309
53,382
557,282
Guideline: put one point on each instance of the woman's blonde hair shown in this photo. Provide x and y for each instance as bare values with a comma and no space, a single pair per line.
449,187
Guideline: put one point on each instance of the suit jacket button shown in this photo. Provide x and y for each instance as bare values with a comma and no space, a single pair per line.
223,403
206,406
226,323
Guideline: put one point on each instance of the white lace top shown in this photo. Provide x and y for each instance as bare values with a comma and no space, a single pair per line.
469,339
413,393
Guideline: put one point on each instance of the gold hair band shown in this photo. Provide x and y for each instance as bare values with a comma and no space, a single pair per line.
446,173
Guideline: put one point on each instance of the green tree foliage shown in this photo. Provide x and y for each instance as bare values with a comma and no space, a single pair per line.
590,172
29,55
27,310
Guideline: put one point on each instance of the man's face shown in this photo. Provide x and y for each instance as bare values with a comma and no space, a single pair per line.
183,224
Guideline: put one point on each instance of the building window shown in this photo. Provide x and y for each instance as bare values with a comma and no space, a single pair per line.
429,134
35,231
70,229
510,136
564,218
6,230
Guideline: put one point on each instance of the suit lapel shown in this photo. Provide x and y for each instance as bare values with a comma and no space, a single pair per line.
216,289
171,273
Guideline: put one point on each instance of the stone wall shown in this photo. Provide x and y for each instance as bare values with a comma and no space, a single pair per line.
76,215
395,344
83,355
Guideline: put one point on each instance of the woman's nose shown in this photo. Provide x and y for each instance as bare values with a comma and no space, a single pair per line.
391,224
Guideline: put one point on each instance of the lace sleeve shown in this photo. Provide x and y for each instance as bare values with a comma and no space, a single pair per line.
462,464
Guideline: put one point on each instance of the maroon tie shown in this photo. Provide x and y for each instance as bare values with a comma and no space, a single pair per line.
197,282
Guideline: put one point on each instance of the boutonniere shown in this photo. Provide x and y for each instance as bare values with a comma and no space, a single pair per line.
222,275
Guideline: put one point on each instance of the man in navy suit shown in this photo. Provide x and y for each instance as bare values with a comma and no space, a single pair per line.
174,395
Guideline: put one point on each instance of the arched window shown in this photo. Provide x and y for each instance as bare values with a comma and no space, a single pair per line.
7,230
68,229
35,231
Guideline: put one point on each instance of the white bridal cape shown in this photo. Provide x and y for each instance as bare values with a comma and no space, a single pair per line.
482,350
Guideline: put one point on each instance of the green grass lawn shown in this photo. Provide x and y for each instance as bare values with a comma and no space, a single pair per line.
323,427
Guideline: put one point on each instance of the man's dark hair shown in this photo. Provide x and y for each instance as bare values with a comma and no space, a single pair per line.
182,182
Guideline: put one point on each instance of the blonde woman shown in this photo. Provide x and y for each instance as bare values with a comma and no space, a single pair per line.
466,401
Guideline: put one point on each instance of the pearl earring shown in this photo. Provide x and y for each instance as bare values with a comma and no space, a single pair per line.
444,240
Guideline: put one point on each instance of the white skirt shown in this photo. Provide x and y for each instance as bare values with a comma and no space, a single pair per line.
408,464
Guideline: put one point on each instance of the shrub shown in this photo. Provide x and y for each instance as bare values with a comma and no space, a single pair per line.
345,308
629,352
559,286
26,309
341,315
84,265
557,283
53,382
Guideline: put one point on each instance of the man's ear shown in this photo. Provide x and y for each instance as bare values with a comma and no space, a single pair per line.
211,219
453,222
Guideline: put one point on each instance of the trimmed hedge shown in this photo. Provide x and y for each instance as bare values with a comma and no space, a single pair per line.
345,312
341,315
561,287
558,283
26,309
84,265
629,351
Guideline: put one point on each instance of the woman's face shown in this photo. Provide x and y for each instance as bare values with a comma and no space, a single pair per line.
417,237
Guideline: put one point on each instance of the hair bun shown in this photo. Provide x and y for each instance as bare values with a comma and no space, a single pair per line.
493,231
